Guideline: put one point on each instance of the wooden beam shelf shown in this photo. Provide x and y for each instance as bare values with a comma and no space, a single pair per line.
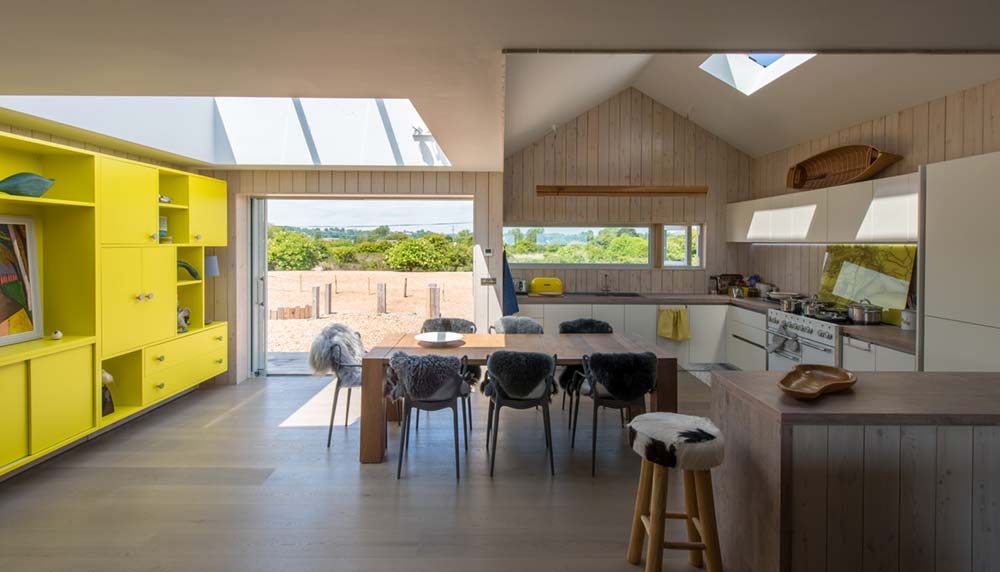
619,190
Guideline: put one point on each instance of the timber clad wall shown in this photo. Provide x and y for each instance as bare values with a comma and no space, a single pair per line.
959,125
629,139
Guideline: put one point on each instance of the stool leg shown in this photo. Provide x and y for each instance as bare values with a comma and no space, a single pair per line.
691,509
641,509
706,514
657,514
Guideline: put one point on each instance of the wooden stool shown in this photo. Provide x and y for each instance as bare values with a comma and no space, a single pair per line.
693,445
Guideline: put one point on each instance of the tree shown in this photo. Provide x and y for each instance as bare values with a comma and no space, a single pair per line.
414,254
289,250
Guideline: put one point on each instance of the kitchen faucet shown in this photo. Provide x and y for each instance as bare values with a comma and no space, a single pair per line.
606,289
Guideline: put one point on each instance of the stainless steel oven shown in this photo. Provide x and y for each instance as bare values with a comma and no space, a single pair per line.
794,340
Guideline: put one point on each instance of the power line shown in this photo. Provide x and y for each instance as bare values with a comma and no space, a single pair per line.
346,226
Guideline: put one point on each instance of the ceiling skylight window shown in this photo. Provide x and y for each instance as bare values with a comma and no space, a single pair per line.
750,72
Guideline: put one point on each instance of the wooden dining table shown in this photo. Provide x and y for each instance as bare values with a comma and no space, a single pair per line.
568,349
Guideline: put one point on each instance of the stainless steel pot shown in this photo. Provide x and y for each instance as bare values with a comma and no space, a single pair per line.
864,313
792,305
811,307
735,291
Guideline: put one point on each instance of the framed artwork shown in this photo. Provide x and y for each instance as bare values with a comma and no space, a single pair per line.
20,301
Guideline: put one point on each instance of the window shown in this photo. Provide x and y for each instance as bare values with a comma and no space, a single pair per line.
682,246
750,72
603,246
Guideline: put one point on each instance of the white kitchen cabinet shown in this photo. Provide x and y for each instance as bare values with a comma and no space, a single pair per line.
893,213
749,317
640,322
613,314
536,311
957,346
738,219
848,207
857,355
742,352
888,359
680,350
556,314
708,334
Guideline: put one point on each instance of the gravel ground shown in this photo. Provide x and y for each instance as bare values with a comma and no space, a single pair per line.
354,306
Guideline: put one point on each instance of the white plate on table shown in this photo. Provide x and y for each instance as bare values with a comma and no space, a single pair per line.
439,339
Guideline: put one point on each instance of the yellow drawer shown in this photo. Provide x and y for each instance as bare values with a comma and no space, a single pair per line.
169,354
167,381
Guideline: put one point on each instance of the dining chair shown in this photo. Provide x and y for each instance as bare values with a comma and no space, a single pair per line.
569,372
474,372
338,350
615,381
517,325
518,380
427,383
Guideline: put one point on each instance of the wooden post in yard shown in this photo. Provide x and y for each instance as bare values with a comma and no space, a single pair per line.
314,314
382,306
433,301
329,297
336,289
404,287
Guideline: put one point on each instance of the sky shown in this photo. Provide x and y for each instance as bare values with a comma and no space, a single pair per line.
437,215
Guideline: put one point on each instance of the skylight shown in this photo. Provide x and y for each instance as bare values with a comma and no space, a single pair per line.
750,72
264,131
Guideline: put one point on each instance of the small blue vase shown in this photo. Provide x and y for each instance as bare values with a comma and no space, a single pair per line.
26,185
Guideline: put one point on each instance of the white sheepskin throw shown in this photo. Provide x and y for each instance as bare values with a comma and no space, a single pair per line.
518,325
678,441
335,350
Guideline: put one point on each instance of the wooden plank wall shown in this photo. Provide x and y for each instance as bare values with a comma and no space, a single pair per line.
44,136
629,139
889,497
228,300
959,125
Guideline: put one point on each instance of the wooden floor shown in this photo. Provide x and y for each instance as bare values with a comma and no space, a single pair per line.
239,478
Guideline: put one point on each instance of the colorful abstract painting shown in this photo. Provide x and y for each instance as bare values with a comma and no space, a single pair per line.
20,306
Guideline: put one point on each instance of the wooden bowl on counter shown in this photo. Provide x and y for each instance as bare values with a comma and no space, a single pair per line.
808,382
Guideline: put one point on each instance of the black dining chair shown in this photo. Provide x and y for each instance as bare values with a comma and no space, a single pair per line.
518,380
616,381
427,383
569,373
474,373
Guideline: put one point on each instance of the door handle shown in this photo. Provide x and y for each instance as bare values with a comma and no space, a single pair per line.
815,346
742,339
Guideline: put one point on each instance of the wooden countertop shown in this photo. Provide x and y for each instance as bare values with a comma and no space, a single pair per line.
885,335
922,398
706,299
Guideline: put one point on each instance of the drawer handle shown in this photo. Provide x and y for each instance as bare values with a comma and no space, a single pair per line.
197,237
220,360
161,358
161,385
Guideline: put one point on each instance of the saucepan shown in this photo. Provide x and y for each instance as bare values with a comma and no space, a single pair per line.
865,313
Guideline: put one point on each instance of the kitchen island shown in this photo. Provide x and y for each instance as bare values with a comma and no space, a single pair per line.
902,472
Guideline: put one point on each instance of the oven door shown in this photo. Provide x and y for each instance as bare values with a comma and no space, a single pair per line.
817,354
780,359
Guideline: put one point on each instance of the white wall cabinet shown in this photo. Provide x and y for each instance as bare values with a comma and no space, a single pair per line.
865,356
881,210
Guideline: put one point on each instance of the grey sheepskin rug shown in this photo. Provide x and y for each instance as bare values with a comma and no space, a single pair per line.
518,325
519,374
457,325
425,378
585,326
334,350
626,376
674,440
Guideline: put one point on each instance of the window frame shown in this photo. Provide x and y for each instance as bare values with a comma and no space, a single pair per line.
651,254
700,246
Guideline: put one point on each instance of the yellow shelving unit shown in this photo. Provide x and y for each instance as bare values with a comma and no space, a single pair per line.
110,285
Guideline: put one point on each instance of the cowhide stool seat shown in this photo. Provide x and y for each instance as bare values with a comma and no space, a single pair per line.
693,445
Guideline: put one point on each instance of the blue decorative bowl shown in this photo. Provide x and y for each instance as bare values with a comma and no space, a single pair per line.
26,185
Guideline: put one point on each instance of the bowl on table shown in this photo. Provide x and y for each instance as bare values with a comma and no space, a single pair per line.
439,339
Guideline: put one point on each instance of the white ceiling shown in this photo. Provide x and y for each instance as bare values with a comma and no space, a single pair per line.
444,55
826,93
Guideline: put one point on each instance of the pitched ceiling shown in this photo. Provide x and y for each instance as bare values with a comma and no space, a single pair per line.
827,93
445,56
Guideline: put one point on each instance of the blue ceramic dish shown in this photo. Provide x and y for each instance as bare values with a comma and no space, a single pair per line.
26,185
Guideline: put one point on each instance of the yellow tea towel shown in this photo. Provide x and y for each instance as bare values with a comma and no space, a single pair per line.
672,323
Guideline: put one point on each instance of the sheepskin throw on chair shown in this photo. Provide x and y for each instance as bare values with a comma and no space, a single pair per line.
335,348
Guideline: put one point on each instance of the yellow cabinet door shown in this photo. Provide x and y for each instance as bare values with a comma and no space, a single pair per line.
159,287
122,299
128,202
207,212
13,413
62,396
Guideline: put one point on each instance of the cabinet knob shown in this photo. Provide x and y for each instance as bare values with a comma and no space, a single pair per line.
161,358
152,236
218,338
197,237
139,297
149,296
161,385
220,360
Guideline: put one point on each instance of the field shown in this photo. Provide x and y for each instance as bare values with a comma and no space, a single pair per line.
355,305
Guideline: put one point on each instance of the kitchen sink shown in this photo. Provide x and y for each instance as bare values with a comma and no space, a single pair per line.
606,294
